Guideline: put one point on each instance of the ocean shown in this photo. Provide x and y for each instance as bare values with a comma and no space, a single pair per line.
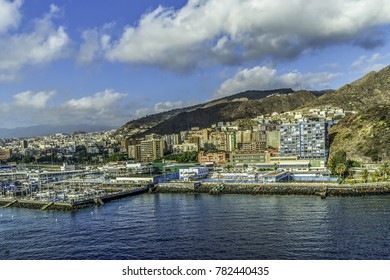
202,226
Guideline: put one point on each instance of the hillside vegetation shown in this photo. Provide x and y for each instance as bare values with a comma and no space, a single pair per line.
365,137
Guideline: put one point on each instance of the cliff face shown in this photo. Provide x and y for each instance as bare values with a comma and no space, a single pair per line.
365,136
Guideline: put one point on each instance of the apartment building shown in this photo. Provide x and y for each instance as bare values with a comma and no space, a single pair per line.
185,147
307,140
249,157
152,149
217,158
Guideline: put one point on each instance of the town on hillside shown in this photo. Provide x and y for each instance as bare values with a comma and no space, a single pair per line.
289,146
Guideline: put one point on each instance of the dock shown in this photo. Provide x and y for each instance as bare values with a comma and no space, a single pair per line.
47,205
71,205
10,203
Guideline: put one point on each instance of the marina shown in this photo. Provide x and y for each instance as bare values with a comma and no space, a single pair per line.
69,194
72,204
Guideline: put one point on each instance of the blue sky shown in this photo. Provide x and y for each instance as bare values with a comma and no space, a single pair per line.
107,62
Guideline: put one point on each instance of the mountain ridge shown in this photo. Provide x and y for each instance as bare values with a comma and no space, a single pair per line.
371,90
164,122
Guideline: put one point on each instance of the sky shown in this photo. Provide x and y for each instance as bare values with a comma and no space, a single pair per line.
108,62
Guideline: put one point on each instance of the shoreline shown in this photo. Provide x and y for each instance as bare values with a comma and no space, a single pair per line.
322,190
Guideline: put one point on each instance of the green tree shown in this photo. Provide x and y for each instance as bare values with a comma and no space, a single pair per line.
336,159
365,175
116,157
341,170
81,155
375,176
183,157
28,159
228,167
384,170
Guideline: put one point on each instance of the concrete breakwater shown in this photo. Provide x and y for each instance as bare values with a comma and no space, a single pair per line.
322,190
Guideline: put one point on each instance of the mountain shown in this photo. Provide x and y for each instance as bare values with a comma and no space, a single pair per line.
370,91
152,120
229,111
365,137
42,130
240,105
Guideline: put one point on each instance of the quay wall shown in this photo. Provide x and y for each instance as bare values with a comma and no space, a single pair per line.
38,205
279,189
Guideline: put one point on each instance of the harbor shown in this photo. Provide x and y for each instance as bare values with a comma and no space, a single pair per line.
77,189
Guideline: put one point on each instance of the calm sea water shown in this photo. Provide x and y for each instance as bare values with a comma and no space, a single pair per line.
174,226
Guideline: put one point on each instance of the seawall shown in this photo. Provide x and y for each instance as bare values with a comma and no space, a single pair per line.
318,189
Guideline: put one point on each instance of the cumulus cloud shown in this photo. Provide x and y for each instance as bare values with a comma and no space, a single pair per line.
30,108
101,108
375,62
233,31
43,44
263,78
99,101
95,43
166,106
31,100
9,14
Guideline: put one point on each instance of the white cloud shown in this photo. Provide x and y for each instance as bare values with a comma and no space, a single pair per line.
89,48
264,78
158,108
41,45
105,108
31,100
99,101
9,14
30,108
94,45
375,62
25,107
100,108
142,112
235,30
166,106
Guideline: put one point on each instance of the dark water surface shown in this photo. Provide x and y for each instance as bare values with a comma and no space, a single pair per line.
175,226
